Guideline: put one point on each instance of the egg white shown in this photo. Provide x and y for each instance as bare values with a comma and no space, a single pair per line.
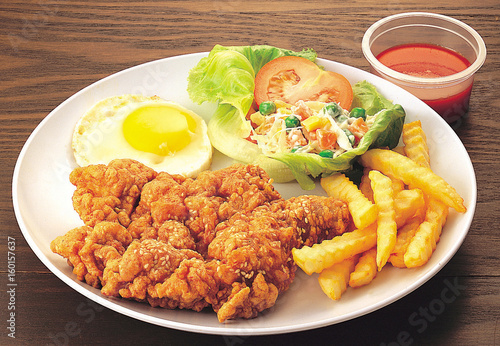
98,138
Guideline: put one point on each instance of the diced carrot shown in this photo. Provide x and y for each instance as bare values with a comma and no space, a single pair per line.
326,139
358,128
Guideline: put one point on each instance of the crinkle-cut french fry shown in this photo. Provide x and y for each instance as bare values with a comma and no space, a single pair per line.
313,259
398,166
427,235
365,186
363,211
405,235
334,280
365,270
397,185
409,203
387,228
416,143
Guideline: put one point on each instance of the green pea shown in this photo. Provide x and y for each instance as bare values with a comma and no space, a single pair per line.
326,153
333,109
358,112
292,121
267,107
350,136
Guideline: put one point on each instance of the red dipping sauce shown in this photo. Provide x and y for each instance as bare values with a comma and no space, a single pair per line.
431,61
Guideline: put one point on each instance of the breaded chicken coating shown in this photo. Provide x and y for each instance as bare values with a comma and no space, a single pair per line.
89,249
223,240
109,192
144,264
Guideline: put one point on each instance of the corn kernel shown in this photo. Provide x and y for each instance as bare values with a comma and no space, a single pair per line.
282,104
284,111
257,118
314,123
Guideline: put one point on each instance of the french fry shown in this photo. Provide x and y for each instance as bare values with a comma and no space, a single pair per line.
365,270
416,143
398,166
397,185
405,235
363,211
429,232
408,203
427,235
365,186
316,258
334,280
386,220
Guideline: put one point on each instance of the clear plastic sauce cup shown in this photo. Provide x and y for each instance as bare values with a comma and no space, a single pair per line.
454,51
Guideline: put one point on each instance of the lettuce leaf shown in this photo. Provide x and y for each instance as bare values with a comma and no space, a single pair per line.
226,77
259,55
366,96
227,134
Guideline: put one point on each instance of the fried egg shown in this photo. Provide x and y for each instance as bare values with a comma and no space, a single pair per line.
158,133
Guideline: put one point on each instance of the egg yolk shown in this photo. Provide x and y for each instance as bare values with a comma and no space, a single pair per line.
158,129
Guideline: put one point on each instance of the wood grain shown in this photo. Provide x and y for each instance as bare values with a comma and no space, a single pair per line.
51,49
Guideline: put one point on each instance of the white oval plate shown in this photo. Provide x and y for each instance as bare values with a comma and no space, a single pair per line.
43,207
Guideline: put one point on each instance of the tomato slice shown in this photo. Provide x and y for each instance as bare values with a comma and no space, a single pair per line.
293,78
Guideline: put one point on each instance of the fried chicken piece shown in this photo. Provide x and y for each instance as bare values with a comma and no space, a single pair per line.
109,192
89,249
143,265
317,218
173,232
166,199
203,218
142,227
236,180
215,196
256,242
69,245
193,285
176,234
247,302
246,187
163,199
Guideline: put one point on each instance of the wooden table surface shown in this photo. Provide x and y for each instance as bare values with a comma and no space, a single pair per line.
51,49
